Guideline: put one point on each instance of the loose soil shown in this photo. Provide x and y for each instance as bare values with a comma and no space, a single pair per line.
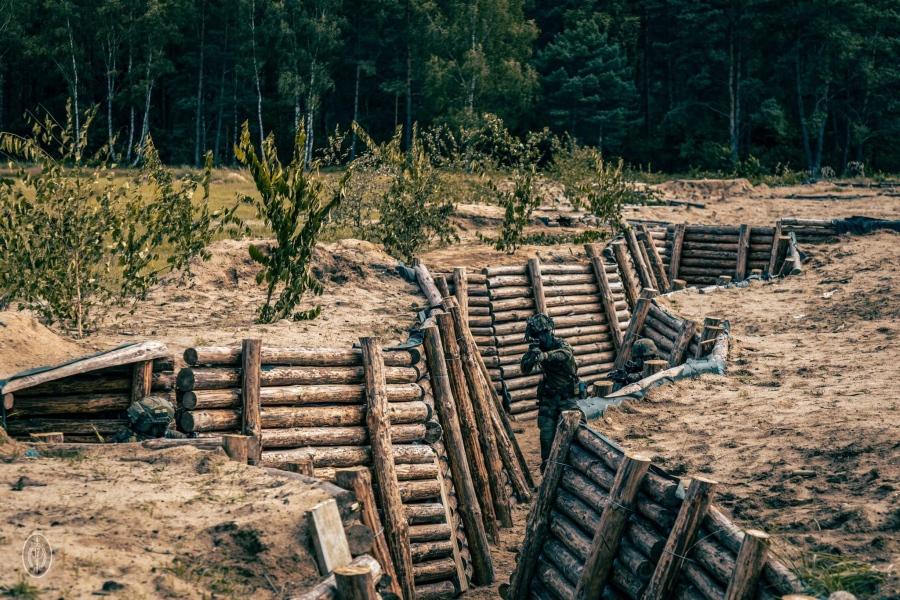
812,392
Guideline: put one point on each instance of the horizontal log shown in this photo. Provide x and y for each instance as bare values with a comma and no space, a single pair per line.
523,417
709,263
513,343
421,514
729,230
347,456
523,406
505,293
484,340
489,272
434,570
479,311
483,331
424,551
560,322
194,378
501,281
795,222
664,344
691,272
298,357
480,321
404,472
442,590
479,301
68,427
523,382
566,280
95,384
523,395
702,582
281,417
419,490
722,238
499,306
82,404
729,247
584,289
430,533
298,395
299,437
509,316
671,321
478,290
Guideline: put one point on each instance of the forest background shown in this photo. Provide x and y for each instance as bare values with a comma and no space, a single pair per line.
738,87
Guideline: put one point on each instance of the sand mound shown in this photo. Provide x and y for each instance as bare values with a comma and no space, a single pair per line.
706,188
25,344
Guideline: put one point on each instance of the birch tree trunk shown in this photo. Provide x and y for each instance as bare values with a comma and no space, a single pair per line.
74,83
804,131
131,113
310,111
199,119
262,135
221,101
355,114
110,90
145,129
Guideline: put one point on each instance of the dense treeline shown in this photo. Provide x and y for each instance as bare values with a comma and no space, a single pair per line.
739,86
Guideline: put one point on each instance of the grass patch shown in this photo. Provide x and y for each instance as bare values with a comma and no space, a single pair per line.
23,590
827,573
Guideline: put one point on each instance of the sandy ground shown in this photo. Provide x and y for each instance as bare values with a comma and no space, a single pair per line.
812,392
177,523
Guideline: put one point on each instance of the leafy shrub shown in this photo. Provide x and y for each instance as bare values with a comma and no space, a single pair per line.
294,203
72,240
414,208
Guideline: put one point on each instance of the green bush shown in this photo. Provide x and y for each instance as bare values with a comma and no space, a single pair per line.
73,241
294,203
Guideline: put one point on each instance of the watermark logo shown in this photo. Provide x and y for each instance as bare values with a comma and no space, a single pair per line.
37,555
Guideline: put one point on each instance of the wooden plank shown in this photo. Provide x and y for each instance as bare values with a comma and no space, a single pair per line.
606,295
461,284
693,510
608,534
329,540
251,421
634,328
462,581
774,252
378,422
743,251
638,257
141,379
628,282
681,343
131,354
537,526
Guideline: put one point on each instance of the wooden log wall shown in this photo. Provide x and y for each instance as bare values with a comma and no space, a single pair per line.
88,407
661,521
313,410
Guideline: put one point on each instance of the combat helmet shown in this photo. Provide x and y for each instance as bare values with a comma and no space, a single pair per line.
151,415
537,324
644,349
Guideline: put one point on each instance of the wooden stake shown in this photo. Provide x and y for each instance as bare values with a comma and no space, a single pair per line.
651,367
239,448
678,284
251,422
537,527
457,418
675,258
355,583
378,422
637,257
609,304
537,285
327,589
710,330
693,510
48,438
634,329
461,579
359,481
426,283
329,539
776,241
780,253
141,379
609,532
794,253
628,282
749,566
682,341
656,264
461,283
440,282
743,252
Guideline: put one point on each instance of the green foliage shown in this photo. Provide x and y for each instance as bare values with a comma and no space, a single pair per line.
414,209
72,240
518,202
610,190
294,203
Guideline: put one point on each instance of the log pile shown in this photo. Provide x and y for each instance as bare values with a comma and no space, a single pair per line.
85,400
700,254
314,409
809,231
605,527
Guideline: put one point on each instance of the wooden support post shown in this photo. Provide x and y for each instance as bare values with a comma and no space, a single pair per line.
675,257
678,284
141,379
682,341
48,438
780,253
794,252
601,388
723,280
426,283
631,287
537,285
634,330
656,264
743,252
251,422
537,527
461,283
304,466
355,583
451,399
329,539
8,401
652,367
461,577
359,481
609,304
609,532
504,428
240,448
776,243
440,282
749,565
378,423
710,330
693,510
637,257
649,293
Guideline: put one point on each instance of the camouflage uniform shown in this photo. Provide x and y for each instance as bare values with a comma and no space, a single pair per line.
149,418
560,386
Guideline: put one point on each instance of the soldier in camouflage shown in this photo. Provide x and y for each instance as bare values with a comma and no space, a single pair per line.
560,386
633,370
149,418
